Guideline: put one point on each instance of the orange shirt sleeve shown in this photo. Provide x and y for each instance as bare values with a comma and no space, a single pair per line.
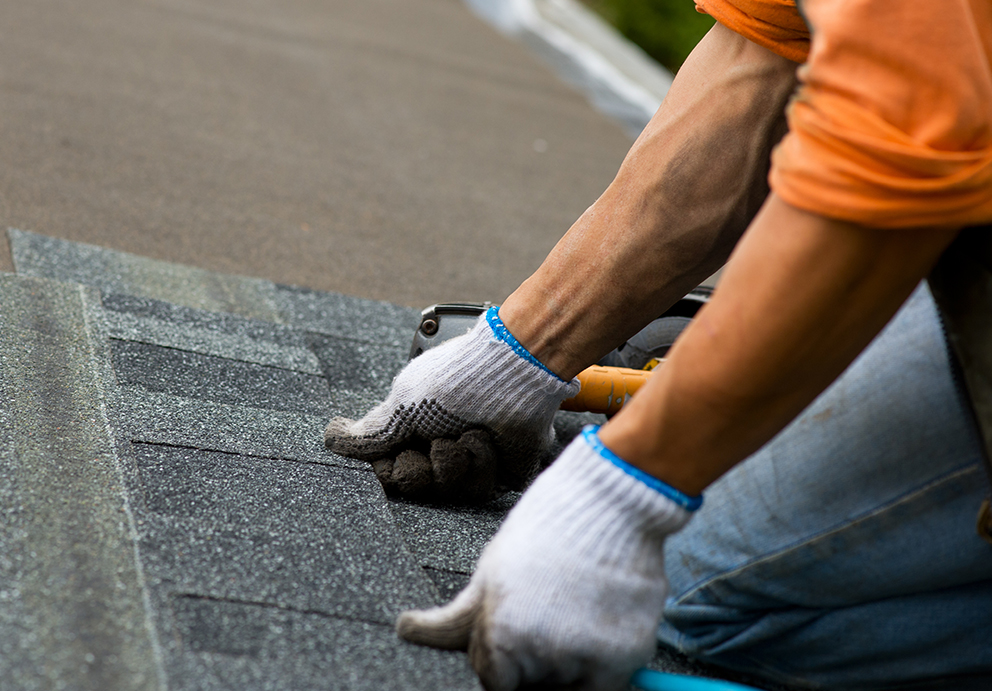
773,24
892,124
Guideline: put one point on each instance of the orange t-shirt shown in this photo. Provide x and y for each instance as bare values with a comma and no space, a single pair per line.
892,124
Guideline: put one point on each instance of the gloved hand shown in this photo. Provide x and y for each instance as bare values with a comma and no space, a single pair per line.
482,380
571,589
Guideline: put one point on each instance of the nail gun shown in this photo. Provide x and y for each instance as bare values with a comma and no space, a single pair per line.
605,386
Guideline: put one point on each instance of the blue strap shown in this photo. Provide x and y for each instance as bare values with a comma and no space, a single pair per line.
503,334
650,680
591,436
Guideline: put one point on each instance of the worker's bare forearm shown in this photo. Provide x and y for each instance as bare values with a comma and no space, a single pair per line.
683,196
801,297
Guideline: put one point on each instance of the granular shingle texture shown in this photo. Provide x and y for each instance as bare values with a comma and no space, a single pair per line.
309,537
71,591
218,379
142,320
265,561
171,517
166,419
250,645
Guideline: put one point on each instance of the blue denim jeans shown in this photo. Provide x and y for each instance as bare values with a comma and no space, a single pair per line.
843,554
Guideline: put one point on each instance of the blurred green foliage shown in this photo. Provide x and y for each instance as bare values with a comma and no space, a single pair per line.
667,30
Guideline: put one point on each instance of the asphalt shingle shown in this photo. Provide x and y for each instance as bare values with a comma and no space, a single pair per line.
160,323
266,559
450,538
346,317
119,272
165,483
116,272
448,583
254,646
179,421
354,366
71,591
222,380
304,536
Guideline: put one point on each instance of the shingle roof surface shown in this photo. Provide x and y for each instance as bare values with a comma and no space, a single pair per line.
171,518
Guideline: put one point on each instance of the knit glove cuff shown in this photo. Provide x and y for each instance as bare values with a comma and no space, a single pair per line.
604,507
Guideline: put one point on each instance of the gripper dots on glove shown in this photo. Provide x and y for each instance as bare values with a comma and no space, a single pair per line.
459,470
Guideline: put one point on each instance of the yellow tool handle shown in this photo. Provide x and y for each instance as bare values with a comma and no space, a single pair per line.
605,389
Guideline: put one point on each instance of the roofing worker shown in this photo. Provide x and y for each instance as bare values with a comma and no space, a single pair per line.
842,554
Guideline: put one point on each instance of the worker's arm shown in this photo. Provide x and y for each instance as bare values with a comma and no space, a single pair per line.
571,588
686,191
800,298
683,196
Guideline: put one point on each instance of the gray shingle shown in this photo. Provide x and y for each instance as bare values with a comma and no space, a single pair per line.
243,645
159,323
448,583
116,272
299,535
167,419
352,366
222,380
71,597
346,317
450,538
268,562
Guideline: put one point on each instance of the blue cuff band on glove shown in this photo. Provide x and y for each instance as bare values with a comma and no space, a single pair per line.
589,433
503,334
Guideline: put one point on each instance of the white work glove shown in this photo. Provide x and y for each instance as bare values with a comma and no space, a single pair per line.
572,587
483,380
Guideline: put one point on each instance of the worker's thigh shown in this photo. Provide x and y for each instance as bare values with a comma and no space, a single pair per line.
844,553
